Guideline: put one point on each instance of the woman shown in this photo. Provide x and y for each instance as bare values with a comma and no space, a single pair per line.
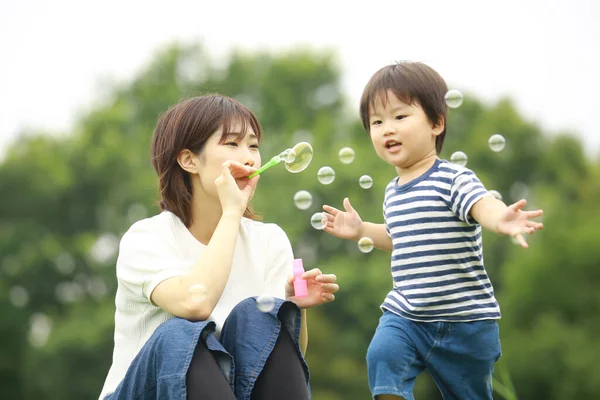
203,260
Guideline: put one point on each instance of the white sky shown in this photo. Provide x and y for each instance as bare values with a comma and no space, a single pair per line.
543,54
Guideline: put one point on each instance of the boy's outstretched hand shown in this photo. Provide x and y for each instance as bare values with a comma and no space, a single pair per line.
515,222
343,224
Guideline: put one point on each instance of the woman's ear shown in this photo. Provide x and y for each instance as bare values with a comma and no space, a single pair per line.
188,161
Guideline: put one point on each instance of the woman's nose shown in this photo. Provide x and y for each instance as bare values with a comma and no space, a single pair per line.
250,162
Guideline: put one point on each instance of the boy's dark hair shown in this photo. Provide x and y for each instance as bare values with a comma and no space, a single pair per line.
188,125
411,82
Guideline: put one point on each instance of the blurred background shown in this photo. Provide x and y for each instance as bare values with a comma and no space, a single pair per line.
81,87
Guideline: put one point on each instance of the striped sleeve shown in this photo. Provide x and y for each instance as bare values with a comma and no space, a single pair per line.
387,228
465,191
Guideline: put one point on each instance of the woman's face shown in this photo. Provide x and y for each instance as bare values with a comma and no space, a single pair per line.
217,150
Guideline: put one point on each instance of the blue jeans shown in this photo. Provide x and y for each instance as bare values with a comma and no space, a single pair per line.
246,341
460,357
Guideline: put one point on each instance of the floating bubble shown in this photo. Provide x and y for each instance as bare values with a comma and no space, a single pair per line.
454,98
326,175
288,156
303,156
365,244
365,182
497,142
346,155
197,292
318,220
459,158
496,194
265,303
303,199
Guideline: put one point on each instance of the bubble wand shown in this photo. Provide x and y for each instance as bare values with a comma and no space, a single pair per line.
296,159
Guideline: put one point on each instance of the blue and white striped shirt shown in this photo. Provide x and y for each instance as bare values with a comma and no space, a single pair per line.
437,256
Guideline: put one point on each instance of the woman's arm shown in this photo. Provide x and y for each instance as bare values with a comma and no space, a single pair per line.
210,274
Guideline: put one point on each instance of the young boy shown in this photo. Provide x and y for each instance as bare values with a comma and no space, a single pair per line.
441,314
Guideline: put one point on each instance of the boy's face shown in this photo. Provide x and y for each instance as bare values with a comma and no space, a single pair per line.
401,133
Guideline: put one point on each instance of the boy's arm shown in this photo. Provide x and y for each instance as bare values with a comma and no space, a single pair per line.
378,234
487,212
495,216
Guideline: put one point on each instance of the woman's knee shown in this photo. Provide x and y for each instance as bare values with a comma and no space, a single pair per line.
177,334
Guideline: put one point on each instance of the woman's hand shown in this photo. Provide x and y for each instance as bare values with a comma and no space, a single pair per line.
321,289
234,188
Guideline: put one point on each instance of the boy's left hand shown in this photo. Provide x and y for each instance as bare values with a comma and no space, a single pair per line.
515,222
321,289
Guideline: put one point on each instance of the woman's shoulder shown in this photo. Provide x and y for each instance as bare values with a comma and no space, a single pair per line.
157,227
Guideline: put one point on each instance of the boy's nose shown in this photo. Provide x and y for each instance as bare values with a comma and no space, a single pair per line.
388,130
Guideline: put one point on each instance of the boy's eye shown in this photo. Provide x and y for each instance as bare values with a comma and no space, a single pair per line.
401,117
377,122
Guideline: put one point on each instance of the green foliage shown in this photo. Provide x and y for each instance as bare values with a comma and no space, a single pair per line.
64,200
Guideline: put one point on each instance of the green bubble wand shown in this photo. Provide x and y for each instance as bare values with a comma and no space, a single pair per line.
296,159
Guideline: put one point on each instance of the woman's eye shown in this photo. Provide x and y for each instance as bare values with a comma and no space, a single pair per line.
231,144
254,146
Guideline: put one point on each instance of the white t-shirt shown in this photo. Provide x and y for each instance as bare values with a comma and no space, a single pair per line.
161,247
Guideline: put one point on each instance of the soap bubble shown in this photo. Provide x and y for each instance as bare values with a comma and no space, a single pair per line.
346,155
454,98
365,181
303,156
496,194
265,303
365,244
198,292
303,199
288,156
459,158
497,142
326,175
318,220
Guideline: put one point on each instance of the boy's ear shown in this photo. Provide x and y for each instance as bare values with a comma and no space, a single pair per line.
188,161
438,128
